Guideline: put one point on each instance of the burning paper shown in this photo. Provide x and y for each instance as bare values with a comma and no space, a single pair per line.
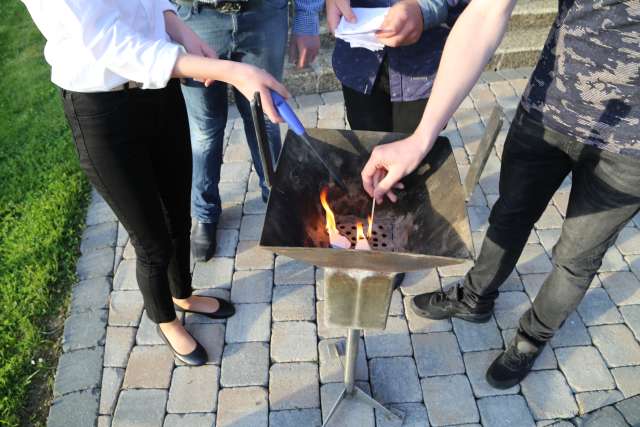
361,242
336,239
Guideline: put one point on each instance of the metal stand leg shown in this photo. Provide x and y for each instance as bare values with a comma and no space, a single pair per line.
351,391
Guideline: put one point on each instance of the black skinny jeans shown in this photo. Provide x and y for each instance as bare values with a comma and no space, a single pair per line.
605,195
376,112
134,147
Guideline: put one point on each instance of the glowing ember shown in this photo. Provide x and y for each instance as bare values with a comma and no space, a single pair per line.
336,239
361,243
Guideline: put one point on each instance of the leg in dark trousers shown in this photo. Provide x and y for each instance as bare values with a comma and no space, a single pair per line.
134,147
376,112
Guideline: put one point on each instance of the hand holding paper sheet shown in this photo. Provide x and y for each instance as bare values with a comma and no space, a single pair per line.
362,33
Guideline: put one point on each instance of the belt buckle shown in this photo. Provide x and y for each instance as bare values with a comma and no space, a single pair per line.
230,7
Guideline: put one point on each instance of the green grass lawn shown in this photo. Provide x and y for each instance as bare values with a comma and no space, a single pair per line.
43,197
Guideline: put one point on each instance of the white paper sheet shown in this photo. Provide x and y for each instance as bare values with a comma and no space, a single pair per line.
362,33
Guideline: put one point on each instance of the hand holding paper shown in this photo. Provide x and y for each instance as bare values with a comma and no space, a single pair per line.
362,33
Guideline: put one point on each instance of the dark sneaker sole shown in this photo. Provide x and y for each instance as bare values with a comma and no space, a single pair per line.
469,317
502,385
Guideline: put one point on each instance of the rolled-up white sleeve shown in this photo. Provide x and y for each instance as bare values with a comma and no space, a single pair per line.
117,47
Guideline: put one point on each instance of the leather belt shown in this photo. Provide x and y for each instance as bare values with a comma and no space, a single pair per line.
127,86
225,6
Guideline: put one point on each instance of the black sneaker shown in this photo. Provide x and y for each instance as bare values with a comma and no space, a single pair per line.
203,240
514,363
448,304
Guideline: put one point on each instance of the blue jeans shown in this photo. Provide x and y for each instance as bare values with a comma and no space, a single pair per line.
255,36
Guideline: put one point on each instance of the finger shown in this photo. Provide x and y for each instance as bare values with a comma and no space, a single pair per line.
278,87
393,176
333,17
268,107
348,14
302,59
399,186
208,51
368,173
392,196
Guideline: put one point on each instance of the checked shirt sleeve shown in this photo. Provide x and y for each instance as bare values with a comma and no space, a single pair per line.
306,20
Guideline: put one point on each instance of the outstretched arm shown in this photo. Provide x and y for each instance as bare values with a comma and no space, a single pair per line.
471,43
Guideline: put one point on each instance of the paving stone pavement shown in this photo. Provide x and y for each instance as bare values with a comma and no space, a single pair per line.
272,365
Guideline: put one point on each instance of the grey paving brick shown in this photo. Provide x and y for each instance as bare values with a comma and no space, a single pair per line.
97,263
550,218
190,420
627,379
478,217
305,101
291,272
251,286
396,308
251,257
631,315
125,308
243,407
419,324
617,345
548,395
477,363
334,111
623,287
104,421
592,400
437,354
231,216
477,336
78,370
584,369
414,415
253,204
251,227
455,269
597,308
561,201
211,336
293,342
512,283
129,252
608,416
331,123
118,345
245,364
99,236
324,330
110,388
235,171
140,408
546,359
505,411
613,261
628,242
90,295
331,369
75,409
334,97
147,332
509,307
251,322
392,341
118,257
296,418
352,414
294,302
99,212
549,238
630,409
215,273
449,400
226,242
194,389
125,278
84,330
149,367
533,260
294,386
394,380
572,333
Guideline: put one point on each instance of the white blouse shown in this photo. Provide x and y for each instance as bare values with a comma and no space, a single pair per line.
97,45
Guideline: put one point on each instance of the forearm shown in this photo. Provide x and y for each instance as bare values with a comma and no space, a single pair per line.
201,68
471,43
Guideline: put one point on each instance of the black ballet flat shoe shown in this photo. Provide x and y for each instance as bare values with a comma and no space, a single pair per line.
224,310
197,357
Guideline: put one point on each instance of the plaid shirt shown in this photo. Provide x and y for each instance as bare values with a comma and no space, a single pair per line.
412,69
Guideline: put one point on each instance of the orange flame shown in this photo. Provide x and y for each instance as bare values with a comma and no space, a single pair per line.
370,226
360,231
331,219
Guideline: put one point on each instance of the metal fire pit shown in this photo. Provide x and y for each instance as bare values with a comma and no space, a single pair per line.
426,228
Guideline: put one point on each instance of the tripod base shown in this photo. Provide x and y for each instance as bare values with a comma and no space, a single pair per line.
357,395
